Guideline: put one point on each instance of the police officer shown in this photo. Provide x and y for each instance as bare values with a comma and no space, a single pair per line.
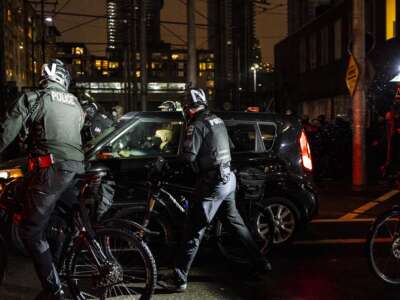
206,148
53,119
95,122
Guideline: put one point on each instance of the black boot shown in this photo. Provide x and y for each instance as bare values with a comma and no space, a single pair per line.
52,287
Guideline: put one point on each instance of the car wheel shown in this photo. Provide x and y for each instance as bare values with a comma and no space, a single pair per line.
285,217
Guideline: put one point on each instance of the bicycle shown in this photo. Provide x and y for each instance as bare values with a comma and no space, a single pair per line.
95,262
383,246
165,214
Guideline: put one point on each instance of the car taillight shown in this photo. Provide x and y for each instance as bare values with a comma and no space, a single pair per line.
305,152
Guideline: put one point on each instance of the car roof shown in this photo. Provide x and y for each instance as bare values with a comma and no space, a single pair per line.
231,115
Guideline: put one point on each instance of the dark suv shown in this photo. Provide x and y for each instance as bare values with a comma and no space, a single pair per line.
270,157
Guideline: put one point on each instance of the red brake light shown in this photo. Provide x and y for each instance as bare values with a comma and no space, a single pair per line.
305,152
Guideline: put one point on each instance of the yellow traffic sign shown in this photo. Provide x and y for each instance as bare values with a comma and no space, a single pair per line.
352,75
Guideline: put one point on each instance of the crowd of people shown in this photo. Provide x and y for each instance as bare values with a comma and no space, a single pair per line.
330,144
331,147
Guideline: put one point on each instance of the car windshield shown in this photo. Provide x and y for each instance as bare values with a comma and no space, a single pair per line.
93,142
146,137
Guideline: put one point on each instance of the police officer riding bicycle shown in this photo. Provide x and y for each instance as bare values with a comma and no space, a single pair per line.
53,119
207,149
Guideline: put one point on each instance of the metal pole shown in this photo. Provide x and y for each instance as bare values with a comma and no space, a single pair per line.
359,105
191,38
128,61
43,31
143,55
134,50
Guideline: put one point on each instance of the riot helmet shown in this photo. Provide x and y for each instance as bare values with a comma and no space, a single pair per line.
170,106
195,98
194,101
55,71
90,108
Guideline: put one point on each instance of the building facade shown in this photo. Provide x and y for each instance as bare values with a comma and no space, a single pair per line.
123,20
166,79
311,63
20,56
231,36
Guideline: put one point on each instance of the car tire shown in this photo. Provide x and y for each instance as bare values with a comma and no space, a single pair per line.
285,217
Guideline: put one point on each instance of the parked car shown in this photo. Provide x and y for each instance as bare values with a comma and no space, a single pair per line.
270,157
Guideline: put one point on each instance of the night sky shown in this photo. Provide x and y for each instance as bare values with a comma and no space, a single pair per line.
271,26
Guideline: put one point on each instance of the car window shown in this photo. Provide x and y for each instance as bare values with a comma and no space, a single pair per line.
147,138
243,137
268,132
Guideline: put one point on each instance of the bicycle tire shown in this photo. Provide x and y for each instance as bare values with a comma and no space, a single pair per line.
3,259
162,245
84,290
384,235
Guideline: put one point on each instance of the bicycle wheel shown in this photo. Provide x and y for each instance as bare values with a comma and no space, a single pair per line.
162,245
383,247
3,259
134,261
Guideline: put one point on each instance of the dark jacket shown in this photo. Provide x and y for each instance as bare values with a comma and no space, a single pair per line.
206,141
53,119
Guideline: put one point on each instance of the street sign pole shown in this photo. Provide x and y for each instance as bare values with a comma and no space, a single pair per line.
359,105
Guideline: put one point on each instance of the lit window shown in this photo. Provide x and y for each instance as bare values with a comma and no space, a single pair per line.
113,65
390,19
138,74
78,51
210,83
202,66
9,15
105,73
76,62
98,64
175,56
30,34
153,66
104,64
210,66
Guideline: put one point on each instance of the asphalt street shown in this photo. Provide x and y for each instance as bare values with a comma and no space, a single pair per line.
327,261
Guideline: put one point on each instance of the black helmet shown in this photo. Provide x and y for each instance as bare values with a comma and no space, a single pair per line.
55,71
195,98
90,108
